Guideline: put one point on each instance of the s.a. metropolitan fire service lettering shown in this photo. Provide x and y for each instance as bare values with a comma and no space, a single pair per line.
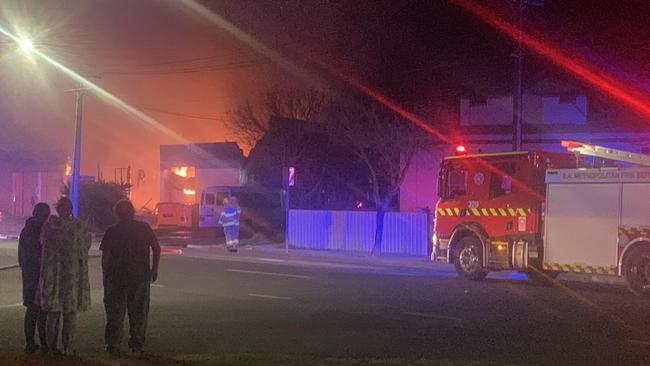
588,175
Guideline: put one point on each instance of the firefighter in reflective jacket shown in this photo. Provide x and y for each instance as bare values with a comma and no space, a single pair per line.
229,219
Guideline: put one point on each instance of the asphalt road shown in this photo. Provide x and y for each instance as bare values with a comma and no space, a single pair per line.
202,308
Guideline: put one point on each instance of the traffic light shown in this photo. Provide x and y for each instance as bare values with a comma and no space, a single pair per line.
461,150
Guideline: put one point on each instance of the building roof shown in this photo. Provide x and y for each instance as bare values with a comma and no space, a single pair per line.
202,155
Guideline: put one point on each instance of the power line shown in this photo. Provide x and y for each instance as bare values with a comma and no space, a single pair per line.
187,60
178,114
193,69
292,45
204,64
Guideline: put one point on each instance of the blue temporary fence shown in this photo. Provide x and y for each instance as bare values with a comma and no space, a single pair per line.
354,231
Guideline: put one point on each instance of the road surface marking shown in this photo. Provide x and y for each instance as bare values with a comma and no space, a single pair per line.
639,342
273,260
10,306
266,273
270,296
434,316
156,285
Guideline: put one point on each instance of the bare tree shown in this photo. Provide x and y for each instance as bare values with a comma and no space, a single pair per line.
246,123
384,142
297,104
250,123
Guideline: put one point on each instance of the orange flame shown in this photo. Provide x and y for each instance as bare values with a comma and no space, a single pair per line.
180,171
184,171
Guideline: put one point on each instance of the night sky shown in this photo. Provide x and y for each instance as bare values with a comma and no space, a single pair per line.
185,72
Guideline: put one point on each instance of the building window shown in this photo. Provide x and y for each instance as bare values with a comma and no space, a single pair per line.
567,99
477,100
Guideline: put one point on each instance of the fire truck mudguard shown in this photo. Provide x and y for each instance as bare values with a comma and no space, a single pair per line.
636,269
634,258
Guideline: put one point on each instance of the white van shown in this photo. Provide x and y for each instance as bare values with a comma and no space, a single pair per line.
211,205
261,209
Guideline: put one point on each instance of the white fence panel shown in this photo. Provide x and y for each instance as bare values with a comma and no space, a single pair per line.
405,233
354,231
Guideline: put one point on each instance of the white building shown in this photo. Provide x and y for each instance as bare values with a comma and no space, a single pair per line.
185,170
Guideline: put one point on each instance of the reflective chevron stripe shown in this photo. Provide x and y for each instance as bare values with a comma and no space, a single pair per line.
484,212
579,268
634,231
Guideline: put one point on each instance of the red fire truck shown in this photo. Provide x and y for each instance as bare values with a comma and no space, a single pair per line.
544,213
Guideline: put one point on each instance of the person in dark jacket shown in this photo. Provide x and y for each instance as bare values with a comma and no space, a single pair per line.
29,259
128,273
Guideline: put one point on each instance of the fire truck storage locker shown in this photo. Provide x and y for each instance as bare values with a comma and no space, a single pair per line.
585,207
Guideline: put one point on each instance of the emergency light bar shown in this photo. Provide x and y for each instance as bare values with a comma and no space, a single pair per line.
606,153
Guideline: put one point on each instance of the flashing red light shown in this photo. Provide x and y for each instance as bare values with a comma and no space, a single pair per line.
460,149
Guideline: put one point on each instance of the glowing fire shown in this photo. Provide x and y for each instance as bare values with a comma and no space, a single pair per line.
68,169
189,192
184,171
181,171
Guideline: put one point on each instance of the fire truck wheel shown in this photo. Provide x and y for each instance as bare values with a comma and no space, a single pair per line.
636,270
469,259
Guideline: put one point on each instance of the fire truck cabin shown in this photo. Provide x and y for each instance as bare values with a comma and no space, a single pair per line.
490,209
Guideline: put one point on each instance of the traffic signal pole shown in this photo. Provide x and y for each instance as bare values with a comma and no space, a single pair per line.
76,154
517,102
287,202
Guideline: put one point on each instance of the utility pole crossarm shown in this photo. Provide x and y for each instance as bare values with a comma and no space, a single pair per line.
606,153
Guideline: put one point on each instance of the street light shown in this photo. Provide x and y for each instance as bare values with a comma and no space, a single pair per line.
26,45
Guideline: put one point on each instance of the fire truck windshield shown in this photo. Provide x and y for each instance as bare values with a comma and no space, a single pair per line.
453,182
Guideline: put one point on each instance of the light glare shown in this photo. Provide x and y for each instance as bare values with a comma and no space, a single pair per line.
26,45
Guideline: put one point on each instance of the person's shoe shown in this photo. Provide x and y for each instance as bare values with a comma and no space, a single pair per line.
113,352
54,352
30,349
71,353
135,352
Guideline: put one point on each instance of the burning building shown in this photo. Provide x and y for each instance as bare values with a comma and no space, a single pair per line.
185,170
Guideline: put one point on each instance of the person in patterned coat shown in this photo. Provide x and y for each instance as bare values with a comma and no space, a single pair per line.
64,287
